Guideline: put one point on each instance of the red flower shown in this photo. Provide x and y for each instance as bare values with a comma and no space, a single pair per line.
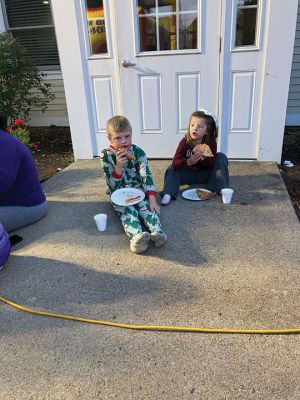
8,129
19,122
35,146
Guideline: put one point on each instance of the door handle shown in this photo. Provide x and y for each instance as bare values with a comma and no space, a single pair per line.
127,63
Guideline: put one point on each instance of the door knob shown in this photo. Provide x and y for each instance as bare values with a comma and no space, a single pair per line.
127,63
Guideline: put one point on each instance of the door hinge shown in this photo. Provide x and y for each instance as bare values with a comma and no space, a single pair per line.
220,44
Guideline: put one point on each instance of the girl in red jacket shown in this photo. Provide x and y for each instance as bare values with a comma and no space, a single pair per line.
193,167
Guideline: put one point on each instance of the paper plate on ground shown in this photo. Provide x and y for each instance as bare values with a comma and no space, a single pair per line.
127,196
191,194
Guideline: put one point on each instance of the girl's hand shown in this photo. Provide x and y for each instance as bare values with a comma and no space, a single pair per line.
195,158
153,204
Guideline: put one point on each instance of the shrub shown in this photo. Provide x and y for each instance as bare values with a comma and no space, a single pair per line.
22,86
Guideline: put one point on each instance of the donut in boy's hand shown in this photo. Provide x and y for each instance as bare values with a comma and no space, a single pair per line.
204,149
128,155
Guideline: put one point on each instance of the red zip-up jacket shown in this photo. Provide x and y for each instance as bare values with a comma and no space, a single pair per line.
184,151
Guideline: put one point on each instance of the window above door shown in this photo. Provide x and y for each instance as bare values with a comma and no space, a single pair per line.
167,25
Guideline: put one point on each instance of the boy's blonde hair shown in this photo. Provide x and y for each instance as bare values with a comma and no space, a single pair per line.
117,124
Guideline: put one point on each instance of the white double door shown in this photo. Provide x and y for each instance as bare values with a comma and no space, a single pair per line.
158,90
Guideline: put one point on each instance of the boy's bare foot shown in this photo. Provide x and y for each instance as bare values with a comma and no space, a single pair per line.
140,242
158,238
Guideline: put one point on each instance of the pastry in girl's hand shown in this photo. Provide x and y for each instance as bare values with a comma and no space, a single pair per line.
204,149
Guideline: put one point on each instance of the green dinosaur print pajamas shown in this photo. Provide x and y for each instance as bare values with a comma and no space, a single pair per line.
136,174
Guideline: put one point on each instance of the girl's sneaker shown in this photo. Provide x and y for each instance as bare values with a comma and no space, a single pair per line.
140,242
159,238
166,200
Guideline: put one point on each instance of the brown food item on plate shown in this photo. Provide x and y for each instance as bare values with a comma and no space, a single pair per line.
204,149
203,195
128,155
132,199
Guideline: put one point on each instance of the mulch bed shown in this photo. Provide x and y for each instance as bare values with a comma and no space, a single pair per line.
291,176
55,150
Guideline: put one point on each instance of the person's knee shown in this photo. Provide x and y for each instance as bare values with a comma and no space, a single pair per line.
172,173
170,169
221,158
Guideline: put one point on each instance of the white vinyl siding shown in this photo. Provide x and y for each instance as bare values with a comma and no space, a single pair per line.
293,106
31,22
56,113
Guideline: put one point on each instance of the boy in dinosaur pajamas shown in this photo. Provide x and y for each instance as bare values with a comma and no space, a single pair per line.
121,172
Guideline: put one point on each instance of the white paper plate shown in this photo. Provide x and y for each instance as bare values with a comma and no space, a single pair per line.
191,194
120,196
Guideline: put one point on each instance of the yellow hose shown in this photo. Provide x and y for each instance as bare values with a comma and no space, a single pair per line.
154,327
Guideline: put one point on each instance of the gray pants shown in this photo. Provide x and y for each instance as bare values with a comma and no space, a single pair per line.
14,217
214,179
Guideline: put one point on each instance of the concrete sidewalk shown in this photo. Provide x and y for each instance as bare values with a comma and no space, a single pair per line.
234,266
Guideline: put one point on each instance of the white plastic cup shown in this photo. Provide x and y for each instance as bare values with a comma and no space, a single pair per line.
101,221
227,195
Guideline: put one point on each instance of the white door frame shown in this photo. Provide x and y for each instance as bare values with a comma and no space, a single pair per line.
271,75
276,67
240,85
72,56
279,50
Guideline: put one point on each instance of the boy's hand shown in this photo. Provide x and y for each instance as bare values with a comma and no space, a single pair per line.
195,158
121,160
153,204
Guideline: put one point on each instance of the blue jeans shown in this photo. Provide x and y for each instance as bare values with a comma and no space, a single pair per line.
213,179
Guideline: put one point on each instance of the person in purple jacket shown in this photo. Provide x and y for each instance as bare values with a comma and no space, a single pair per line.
4,246
22,200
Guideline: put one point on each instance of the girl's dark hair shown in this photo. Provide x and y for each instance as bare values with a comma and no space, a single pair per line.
3,122
211,129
